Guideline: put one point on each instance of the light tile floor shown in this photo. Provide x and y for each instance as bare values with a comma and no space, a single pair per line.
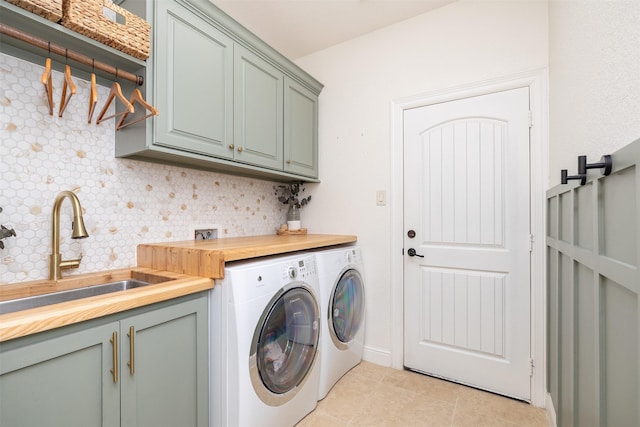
372,395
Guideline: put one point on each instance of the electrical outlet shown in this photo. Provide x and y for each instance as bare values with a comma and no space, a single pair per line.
205,232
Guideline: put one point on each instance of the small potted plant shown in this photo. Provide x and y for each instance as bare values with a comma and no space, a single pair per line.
290,194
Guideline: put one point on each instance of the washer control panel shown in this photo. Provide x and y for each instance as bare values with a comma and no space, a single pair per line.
300,269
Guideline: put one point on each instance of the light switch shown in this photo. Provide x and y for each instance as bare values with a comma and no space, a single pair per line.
381,198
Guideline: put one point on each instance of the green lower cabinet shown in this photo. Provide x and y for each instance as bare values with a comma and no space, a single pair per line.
168,383
156,375
63,381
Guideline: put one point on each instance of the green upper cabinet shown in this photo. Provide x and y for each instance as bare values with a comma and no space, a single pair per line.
300,130
228,102
258,110
194,81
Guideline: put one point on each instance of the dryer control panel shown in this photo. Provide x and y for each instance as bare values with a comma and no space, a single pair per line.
353,256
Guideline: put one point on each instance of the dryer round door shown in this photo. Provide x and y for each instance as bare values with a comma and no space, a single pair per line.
284,345
346,309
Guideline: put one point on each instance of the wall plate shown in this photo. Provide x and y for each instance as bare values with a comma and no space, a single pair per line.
205,232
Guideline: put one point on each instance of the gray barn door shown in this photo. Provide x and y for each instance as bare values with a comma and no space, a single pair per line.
593,245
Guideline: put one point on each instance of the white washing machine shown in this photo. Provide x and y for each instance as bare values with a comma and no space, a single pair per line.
342,313
264,342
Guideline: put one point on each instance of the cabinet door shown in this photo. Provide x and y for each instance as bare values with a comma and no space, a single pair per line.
300,130
62,381
258,110
193,83
167,385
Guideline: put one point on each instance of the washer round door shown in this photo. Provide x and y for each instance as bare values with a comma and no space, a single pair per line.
346,309
284,345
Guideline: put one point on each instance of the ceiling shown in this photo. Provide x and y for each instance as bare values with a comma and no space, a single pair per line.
299,27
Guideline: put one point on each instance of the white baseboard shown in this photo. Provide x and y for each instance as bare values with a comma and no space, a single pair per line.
551,412
378,356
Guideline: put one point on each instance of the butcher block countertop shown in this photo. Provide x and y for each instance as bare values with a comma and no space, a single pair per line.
164,286
174,269
206,258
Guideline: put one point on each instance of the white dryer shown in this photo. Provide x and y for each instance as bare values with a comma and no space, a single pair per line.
342,308
264,342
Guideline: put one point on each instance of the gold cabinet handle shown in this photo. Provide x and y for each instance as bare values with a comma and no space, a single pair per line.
232,146
240,149
114,345
288,162
132,350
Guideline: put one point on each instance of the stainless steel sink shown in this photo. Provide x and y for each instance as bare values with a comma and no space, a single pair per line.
72,294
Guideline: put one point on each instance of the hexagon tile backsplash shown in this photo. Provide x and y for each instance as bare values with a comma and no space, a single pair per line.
125,202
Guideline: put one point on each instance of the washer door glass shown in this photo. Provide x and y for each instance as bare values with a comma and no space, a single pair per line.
347,306
288,342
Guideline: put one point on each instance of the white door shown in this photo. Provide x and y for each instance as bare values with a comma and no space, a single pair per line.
466,270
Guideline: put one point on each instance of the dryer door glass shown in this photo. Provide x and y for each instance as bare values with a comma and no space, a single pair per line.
347,306
288,341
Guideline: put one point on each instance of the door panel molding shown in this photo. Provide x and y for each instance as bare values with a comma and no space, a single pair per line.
451,172
482,331
536,81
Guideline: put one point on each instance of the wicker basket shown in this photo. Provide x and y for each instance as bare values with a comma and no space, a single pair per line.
49,9
87,17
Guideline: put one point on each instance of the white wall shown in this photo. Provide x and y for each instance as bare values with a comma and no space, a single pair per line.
462,43
594,80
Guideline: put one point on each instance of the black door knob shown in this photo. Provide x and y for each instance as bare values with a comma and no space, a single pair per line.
412,252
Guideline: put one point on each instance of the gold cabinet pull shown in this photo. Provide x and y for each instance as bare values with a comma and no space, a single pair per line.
232,146
240,149
132,350
288,162
114,344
